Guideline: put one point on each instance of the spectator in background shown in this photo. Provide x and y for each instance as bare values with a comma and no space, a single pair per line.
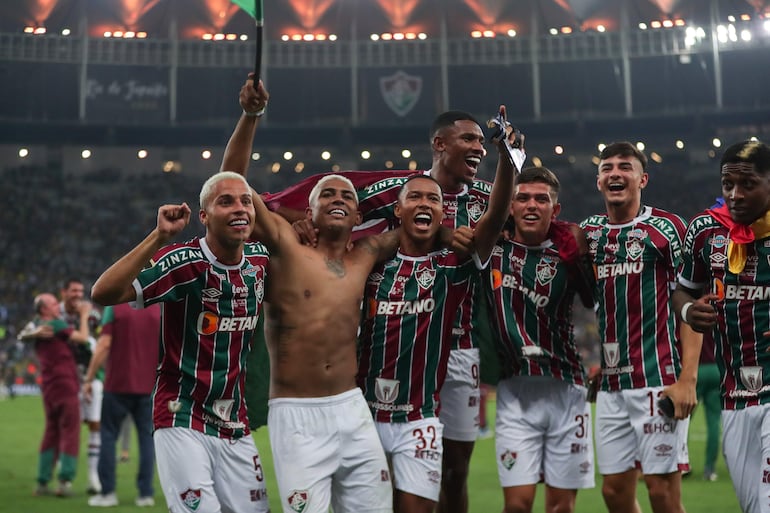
128,348
60,386
72,294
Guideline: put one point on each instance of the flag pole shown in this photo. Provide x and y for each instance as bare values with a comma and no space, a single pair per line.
260,21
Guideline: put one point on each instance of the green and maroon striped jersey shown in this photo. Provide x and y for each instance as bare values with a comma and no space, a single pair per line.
635,266
743,309
409,311
532,303
209,314
465,208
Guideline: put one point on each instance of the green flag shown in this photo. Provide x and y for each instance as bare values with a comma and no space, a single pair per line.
253,7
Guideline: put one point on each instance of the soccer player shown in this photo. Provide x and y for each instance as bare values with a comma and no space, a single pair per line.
636,251
60,385
323,439
724,288
407,330
543,424
211,291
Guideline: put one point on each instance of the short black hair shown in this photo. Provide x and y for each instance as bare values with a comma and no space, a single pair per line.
538,174
416,176
448,118
750,152
624,149
65,284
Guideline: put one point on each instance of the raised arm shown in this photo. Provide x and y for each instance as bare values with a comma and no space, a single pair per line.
491,223
238,150
115,285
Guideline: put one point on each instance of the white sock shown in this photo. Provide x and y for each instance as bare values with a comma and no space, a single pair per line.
94,445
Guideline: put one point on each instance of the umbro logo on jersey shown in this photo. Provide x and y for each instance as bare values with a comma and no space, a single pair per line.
211,294
209,323
375,278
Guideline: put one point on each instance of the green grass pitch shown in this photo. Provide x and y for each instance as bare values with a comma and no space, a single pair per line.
22,426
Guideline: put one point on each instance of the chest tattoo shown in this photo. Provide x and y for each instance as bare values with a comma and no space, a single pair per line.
336,266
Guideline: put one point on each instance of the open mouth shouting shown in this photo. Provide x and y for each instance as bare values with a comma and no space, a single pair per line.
423,220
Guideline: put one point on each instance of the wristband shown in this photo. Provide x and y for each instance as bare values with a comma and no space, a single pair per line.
685,308
256,114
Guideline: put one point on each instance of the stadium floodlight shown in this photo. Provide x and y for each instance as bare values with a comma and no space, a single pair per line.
640,146
23,152
206,154
601,28
511,33
716,142
256,156
746,35
85,154
679,144
558,149
332,37
406,153
642,26
366,155
326,155
141,154
287,155
554,32
66,32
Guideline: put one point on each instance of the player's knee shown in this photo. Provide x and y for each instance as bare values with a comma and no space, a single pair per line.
614,494
518,505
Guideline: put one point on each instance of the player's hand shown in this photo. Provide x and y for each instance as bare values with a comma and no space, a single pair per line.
462,240
42,331
594,382
172,219
306,232
84,307
701,315
253,99
684,397
87,390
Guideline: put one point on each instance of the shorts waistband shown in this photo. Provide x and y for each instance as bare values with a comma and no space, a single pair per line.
329,400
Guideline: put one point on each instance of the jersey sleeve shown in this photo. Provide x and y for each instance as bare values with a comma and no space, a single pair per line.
168,279
694,271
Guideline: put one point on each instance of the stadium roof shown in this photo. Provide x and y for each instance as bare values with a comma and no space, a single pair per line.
351,19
